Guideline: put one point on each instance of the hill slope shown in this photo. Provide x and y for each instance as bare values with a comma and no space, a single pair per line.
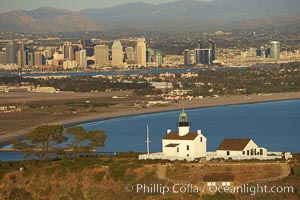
178,15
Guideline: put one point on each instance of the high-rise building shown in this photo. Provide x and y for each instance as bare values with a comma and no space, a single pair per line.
199,44
267,52
3,58
101,55
68,51
213,47
77,58
21,55
11,53
85,43
117,54
158,58
274,50
39,58
141,52
49,52
83,59
187,57
130,55
202,56
30,58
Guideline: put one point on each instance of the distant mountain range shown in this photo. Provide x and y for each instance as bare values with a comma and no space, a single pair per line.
179,15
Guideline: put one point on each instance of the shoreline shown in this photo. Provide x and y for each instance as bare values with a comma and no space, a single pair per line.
186,104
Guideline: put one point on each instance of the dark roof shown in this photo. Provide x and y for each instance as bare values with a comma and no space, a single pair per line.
218,177
175,136
172,145
233,144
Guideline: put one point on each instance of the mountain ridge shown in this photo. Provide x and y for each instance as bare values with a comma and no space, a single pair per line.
183,14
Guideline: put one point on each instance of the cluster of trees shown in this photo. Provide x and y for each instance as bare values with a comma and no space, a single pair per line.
245,81
78,84
47,140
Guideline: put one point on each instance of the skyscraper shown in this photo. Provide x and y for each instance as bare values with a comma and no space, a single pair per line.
141,52
3,58
30,58
39,58
68,51
199,44
117,54
130,55
83,59
101,55
11,53
158,58
21,55
187,56
274,50
213,47
203,56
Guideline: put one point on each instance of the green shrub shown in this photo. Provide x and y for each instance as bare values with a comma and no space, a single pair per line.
20,194
117,171
12,177
130,178
99,176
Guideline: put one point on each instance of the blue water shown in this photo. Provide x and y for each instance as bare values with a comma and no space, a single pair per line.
274,125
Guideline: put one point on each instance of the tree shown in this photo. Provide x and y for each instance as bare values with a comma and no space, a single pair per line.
86,141
41,140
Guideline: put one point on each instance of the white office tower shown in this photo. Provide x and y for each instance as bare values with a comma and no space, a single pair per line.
274,50
83,59
117,54
141,52
130,55
101,55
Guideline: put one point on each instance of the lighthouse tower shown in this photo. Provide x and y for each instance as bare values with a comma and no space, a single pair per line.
183,144
183,124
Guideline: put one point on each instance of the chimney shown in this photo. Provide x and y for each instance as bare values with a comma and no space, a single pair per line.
168,131
199,131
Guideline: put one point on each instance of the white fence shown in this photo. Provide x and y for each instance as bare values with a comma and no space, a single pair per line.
212,155
162,156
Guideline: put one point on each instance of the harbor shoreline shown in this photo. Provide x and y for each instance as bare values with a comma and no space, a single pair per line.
186,104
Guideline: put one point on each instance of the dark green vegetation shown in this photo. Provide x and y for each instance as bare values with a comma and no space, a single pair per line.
245,81
77,84
284,78
44,141
85,141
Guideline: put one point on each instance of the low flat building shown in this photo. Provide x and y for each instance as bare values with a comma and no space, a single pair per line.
240,147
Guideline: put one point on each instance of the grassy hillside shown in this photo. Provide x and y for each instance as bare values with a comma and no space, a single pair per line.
106,178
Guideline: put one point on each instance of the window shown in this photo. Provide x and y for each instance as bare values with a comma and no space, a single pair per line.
248,152
261,152
200,139
188,147
243,152
187,155
228,153
177,149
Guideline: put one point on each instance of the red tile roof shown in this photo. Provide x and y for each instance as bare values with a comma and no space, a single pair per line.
233,144
175,136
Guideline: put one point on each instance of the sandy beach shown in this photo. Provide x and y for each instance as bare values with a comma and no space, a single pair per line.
198,103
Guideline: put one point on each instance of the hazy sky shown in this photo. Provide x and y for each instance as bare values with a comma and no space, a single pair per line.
8,5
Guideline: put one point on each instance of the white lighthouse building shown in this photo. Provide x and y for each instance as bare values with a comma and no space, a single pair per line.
181,145
185,144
